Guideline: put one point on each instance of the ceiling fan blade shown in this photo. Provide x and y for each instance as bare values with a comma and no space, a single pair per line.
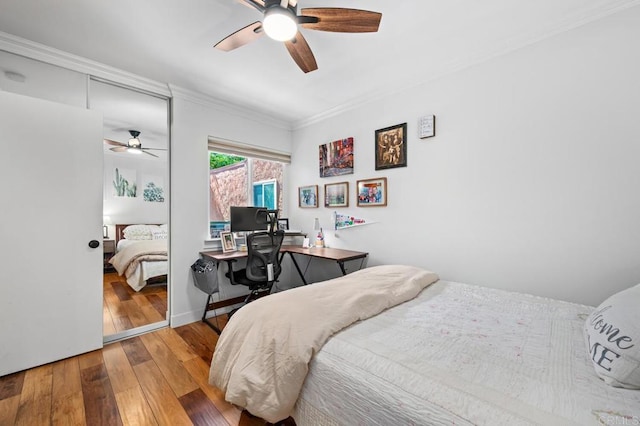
301,53
110,142
153,155
119,148
341,20
241,37
254,4
155,149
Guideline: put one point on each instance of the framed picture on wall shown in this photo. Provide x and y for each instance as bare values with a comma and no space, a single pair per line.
372,192
228,242
391,147
308,196
336,194
336,158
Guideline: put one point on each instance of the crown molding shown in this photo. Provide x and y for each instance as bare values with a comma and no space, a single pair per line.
50,55
509,46
228,107
41,52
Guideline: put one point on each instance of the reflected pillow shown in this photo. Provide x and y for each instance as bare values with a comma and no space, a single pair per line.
159,234
138,232
612,333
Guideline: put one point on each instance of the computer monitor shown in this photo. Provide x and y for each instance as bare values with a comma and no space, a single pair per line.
245,219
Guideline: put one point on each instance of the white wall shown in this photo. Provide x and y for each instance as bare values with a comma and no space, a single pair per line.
193,122
531,182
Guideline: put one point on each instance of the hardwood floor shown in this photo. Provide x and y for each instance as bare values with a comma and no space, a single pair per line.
159,378
124,308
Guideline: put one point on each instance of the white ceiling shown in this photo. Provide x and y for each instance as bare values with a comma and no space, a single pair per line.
172,41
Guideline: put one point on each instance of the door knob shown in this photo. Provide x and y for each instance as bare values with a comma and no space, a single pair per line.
94,244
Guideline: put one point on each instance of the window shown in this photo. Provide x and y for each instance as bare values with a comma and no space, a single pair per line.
265,194
241,175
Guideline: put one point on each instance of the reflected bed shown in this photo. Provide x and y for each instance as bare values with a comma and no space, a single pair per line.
143,256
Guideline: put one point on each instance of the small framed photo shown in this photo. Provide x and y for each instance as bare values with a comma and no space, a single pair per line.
391,147
372,192
283,224
308,196
228,242
336,194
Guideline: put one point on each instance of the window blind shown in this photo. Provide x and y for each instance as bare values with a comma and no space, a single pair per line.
245,150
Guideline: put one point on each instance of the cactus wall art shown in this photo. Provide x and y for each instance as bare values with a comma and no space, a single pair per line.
124,183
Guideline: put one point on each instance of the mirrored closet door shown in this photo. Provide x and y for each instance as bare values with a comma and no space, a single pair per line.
135,208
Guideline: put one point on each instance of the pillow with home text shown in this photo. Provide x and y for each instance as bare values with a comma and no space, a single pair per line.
138,232
612,333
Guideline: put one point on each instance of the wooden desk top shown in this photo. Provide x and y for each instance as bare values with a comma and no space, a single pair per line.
339,255
219,255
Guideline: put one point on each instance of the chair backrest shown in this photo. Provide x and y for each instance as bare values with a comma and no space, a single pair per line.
263,249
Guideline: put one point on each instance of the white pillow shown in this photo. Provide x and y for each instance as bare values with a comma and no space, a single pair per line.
159,234
138,232
612,333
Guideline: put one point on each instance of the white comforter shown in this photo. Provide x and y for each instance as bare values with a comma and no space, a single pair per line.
464,355
128,260
262,356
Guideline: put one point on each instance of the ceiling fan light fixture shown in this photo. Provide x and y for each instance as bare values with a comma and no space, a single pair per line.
134,142
134,150
279,23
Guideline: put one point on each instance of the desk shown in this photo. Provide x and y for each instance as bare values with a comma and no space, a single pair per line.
338,255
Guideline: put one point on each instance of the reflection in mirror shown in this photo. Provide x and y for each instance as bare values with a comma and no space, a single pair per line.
136,207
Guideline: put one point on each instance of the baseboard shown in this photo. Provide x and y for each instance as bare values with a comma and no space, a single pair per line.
195,316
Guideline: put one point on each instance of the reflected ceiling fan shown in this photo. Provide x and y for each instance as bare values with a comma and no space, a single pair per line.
281,22
133,146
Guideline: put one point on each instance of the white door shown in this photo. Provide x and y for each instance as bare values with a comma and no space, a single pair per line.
51,208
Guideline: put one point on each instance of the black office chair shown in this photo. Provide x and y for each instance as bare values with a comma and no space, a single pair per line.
263,264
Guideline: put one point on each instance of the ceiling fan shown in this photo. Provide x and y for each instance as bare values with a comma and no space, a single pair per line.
281,21
133,146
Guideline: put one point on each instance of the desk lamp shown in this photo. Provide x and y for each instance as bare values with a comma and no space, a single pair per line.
106,221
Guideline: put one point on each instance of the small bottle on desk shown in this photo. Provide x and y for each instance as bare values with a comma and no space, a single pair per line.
320,239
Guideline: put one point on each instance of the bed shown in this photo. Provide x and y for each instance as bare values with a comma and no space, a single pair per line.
453,354
141,254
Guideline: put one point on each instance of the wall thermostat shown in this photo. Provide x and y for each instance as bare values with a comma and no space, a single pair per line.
427,126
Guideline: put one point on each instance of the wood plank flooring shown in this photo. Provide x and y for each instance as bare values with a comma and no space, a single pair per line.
160,378
123,308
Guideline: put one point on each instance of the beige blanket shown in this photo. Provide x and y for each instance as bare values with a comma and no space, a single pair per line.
262,356
127,260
